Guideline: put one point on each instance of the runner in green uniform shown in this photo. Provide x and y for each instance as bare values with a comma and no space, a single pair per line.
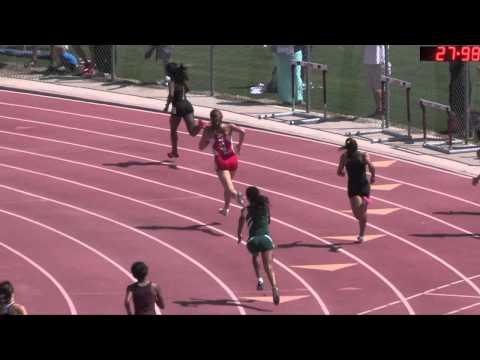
257,216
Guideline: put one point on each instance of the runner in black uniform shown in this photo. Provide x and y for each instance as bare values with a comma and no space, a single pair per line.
358,184
181,107
144,293
257,215
8,306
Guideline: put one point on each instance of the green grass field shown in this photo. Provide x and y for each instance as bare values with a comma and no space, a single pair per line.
236,67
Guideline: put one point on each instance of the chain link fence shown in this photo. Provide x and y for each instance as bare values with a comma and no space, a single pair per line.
247,73
44,62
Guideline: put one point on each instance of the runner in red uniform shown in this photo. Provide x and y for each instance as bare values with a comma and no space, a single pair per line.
226,161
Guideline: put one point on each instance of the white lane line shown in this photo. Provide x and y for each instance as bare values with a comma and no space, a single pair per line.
453,295
71,306
174,249
270,133
75,240
241,161
370,268
463,308
417,247
426,292
286,268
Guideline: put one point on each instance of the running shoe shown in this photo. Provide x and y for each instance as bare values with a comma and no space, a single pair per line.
224,211
172,155
276,296
360,240
260,285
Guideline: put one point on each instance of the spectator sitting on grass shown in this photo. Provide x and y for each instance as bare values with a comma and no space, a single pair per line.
88,64
34,60
62,60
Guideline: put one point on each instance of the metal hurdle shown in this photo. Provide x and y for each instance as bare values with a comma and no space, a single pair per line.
395,136
449,146
308,118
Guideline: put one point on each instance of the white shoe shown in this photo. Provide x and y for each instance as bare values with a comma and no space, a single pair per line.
224,211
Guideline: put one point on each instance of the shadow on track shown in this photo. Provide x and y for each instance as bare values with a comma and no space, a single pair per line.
221,302
202,228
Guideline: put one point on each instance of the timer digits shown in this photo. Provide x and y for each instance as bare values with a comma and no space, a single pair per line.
464,53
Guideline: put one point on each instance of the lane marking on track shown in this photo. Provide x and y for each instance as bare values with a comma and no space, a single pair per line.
269,132
453,295
383,212
370,268
194,170
304,283
250,145
383,164
283,299
375,272
385,187
463,308
81,243
61,289
354,237
426,292
174,249
324,267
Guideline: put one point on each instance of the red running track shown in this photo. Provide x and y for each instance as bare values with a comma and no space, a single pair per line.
85,191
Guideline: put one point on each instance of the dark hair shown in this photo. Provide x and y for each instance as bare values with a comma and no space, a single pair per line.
6,289
216,118
258,203
170,69
179,74
350,145
139,271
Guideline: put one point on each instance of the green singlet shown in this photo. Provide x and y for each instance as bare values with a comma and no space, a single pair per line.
259,239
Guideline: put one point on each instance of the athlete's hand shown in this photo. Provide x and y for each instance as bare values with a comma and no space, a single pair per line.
372,180
475,181
239,238
341,173
237,149
165,109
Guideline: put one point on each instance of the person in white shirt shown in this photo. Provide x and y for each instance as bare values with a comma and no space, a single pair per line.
374,61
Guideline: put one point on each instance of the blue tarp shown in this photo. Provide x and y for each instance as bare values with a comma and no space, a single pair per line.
67,56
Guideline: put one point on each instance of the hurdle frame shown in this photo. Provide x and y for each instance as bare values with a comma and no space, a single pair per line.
308,118
443,146
395,136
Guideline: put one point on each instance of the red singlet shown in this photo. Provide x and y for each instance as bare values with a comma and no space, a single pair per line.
225,157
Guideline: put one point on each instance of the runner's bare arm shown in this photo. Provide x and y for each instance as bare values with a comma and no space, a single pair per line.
241,222
128,298
171,89
241,132
205,140
159,298
341,166
18,309
371,168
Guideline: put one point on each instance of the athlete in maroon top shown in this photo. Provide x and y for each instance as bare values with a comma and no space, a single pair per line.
144,294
